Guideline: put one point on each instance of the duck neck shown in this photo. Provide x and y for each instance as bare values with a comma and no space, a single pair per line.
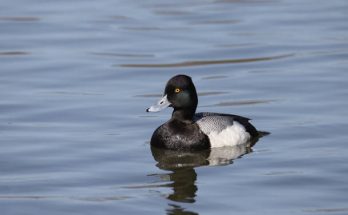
183,114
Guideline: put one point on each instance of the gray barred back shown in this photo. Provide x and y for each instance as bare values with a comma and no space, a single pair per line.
213,121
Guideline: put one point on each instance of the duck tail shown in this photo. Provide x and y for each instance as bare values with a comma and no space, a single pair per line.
263,133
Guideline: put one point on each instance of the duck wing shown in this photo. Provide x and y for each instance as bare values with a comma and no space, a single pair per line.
208,122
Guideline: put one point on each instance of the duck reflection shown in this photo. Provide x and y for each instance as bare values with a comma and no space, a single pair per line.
183,176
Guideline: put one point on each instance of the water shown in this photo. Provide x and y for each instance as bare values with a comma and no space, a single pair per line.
76,78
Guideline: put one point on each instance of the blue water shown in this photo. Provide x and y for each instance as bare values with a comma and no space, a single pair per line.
76,78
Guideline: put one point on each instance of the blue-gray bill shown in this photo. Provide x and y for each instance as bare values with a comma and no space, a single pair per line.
160,105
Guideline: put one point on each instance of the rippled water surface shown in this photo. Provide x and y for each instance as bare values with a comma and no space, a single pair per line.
77,76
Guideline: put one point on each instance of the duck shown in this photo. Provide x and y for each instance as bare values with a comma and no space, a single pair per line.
188,130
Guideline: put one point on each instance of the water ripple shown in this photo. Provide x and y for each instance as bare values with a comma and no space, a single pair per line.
19,18
242,102
11,53
327,210
207,62
85,198
125,55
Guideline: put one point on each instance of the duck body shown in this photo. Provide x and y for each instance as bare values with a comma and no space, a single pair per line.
176,134
187,130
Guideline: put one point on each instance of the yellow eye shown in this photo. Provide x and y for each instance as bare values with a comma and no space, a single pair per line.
177,90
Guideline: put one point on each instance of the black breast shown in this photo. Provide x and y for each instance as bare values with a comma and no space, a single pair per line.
180,135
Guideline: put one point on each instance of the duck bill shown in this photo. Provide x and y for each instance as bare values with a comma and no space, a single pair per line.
160,105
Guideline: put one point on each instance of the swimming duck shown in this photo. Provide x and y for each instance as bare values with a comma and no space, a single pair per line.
188,130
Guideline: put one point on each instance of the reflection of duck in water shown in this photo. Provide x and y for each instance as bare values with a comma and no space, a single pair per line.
172,160
188,130
183,176
182,164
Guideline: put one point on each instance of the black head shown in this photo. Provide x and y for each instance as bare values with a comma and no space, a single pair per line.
181,93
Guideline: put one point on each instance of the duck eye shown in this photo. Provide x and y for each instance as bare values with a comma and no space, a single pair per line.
177,90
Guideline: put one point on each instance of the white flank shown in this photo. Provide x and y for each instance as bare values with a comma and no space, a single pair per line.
231,136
